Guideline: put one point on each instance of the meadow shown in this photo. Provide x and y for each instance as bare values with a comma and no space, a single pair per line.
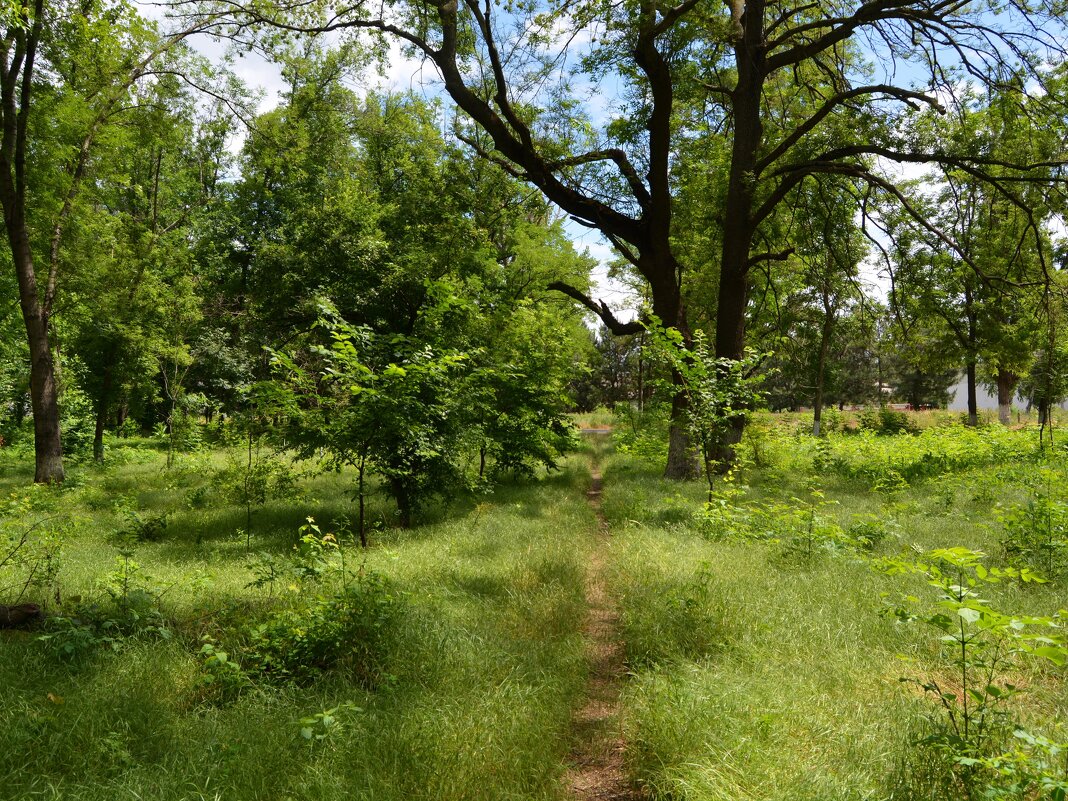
874,614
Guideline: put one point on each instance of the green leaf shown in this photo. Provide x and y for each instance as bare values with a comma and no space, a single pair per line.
1054,653
969,615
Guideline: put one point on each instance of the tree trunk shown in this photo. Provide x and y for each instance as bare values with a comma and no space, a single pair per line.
361,492
821,366
102,414
14,117
683,461
403,498
1006,380
738,210
973,404
48,446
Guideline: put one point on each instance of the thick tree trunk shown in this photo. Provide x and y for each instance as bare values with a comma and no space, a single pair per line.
1006,380
48,447
683,462
738,210
973,404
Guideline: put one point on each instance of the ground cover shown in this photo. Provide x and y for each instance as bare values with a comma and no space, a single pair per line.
469,695
765,635
768,654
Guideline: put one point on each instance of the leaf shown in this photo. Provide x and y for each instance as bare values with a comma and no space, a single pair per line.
969,615
1058,655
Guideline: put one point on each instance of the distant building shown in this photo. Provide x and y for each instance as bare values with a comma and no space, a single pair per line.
984,400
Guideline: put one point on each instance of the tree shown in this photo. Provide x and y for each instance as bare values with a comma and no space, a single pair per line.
718,390
417,336
383,406
785,88
984,294
157,178
91,57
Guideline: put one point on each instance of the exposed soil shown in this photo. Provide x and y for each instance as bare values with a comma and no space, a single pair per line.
597,772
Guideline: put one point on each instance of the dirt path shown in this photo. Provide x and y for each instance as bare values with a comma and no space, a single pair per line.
596,772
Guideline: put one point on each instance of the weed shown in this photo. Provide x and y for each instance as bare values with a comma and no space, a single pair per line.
1036,532
351,630
143,526
322,725
983,644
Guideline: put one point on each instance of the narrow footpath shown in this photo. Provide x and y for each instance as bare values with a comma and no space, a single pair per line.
597,772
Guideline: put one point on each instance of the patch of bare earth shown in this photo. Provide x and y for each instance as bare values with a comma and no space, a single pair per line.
596,771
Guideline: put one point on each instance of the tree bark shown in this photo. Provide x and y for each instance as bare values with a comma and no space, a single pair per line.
48,447
738,230
1006,380
973,404
683,462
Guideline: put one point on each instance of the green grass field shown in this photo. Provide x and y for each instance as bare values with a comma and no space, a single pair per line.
761,664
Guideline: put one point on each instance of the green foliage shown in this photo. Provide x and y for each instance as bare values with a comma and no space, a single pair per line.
642,432
129,608
351,631
77,419
389,409
721,392
142,526
322,725
887,422
220,677
1036,767
983,644
1036,532
252,480
32,534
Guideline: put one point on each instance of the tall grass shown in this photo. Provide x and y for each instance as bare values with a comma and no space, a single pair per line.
763,672
488,660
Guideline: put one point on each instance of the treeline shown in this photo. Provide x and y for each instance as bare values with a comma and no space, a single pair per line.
749,172
349,281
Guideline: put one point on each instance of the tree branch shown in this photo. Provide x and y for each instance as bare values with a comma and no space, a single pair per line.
600,308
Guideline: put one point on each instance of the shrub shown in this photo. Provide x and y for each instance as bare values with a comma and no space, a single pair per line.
143,526
887,422
352,630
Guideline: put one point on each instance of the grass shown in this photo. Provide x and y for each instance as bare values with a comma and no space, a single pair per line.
762,671
486,666
760,665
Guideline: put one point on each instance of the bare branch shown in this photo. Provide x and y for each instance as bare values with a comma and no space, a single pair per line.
600,308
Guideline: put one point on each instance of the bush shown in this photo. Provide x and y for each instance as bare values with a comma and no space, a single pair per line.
887,422
352,631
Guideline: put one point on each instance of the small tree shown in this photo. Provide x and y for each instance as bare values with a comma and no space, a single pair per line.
259,477
382,405
720,391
